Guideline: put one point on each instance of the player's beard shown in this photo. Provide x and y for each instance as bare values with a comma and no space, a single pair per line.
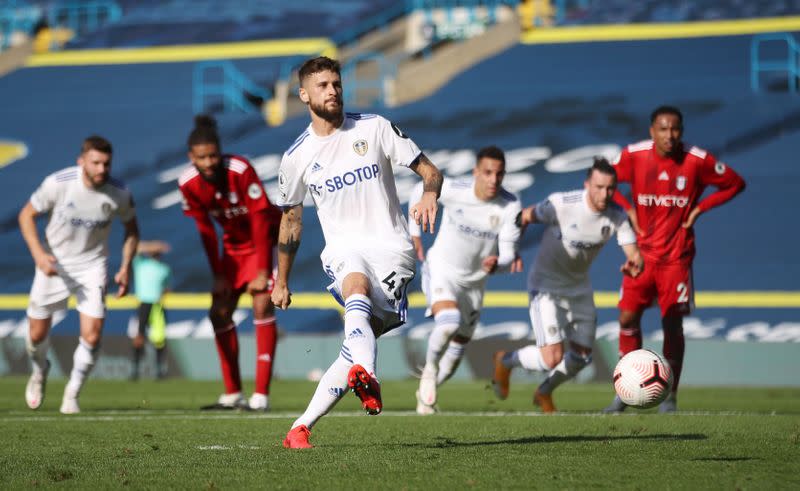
333,115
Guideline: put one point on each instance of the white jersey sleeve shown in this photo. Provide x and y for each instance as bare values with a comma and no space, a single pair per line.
291,188
44,198
397,146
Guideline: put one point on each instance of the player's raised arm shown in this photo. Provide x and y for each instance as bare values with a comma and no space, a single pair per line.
288,243
129,246
424,212
27,225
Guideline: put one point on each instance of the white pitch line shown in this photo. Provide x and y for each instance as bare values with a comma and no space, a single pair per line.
145,415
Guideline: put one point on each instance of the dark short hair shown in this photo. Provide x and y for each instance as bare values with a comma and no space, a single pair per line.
316,65
96,142
492,152
205,131
666,110
602,166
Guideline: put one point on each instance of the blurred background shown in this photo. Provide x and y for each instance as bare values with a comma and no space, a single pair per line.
552,82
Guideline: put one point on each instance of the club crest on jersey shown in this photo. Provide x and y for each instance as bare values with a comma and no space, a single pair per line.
494,221
361,147
254,191
680,183
106,207
605,231
233,198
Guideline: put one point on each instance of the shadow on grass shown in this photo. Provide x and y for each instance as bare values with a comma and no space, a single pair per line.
449,442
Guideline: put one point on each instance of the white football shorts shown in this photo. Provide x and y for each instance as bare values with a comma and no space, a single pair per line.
389,275
50,294
438,286
556,318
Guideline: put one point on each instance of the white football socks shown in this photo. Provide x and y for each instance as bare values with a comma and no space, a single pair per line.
37,353
82,363
332,387
359,346
450,361
529,358
447,322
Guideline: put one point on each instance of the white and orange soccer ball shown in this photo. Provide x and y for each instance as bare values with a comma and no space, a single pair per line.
642,379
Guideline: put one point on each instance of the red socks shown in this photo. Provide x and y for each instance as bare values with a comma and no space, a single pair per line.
266,337
228,349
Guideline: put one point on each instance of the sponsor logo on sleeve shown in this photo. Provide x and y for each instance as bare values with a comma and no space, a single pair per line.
719,168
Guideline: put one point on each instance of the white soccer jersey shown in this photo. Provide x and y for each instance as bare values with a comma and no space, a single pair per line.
350,178
470,230
80,217
572,240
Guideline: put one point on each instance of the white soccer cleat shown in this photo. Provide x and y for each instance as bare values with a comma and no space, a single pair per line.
69,405
232,401
427,389
259,402
423,409
34,390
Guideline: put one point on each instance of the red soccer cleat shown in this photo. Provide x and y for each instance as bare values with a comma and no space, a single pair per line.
298,438
366,388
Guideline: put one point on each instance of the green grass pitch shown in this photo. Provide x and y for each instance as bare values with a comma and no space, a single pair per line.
151,435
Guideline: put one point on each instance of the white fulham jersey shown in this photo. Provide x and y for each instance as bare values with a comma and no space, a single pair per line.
80,217
470,230
349,175
572,240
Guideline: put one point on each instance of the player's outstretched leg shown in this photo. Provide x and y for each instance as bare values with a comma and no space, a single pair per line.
669,405
450,361
366,388
332,386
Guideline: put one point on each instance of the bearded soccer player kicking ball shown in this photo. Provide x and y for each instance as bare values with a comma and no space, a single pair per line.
667,179
227,188
345,161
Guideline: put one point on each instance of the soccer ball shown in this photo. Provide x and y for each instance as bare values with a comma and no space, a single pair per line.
642,379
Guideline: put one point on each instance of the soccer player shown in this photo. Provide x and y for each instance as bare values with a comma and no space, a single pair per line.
227,188
579,223
477,237
81,200
345,162
151,277
667,179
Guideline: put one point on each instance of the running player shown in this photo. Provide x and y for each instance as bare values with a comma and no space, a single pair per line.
345,162
81,200
477,237
667,179
562,302
227,188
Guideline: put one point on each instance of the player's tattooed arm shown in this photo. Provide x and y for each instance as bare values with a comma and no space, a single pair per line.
288,243
424,212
